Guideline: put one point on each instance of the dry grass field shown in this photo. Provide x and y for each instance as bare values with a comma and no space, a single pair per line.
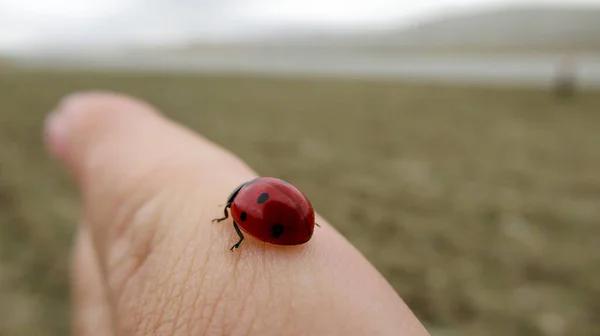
480,206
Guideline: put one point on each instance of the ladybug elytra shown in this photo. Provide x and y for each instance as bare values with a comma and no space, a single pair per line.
271,210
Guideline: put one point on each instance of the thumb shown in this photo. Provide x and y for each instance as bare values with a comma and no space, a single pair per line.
150,189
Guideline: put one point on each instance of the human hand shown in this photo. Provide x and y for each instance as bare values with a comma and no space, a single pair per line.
148,260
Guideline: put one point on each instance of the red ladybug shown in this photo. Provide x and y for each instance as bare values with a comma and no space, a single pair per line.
271,210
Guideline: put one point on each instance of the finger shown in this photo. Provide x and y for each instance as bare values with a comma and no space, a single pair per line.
91,310
150,190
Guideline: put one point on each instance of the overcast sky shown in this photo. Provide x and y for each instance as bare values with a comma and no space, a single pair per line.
26,24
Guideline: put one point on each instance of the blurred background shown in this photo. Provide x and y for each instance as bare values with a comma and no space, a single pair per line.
455,143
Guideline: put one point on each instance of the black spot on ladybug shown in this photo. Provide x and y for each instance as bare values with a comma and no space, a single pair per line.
243,216
262,198
277,230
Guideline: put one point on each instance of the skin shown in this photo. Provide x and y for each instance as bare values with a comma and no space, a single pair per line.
148,260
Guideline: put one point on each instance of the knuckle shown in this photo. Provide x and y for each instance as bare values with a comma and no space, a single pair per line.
132,248
157,270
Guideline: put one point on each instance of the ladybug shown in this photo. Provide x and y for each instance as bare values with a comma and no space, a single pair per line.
271,210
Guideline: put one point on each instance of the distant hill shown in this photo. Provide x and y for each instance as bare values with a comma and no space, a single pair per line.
517,27
521,28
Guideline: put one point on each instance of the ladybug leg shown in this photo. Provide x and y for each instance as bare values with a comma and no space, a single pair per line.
237,229
229,201
224,217
317,224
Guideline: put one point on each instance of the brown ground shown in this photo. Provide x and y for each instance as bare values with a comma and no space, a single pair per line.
481,206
